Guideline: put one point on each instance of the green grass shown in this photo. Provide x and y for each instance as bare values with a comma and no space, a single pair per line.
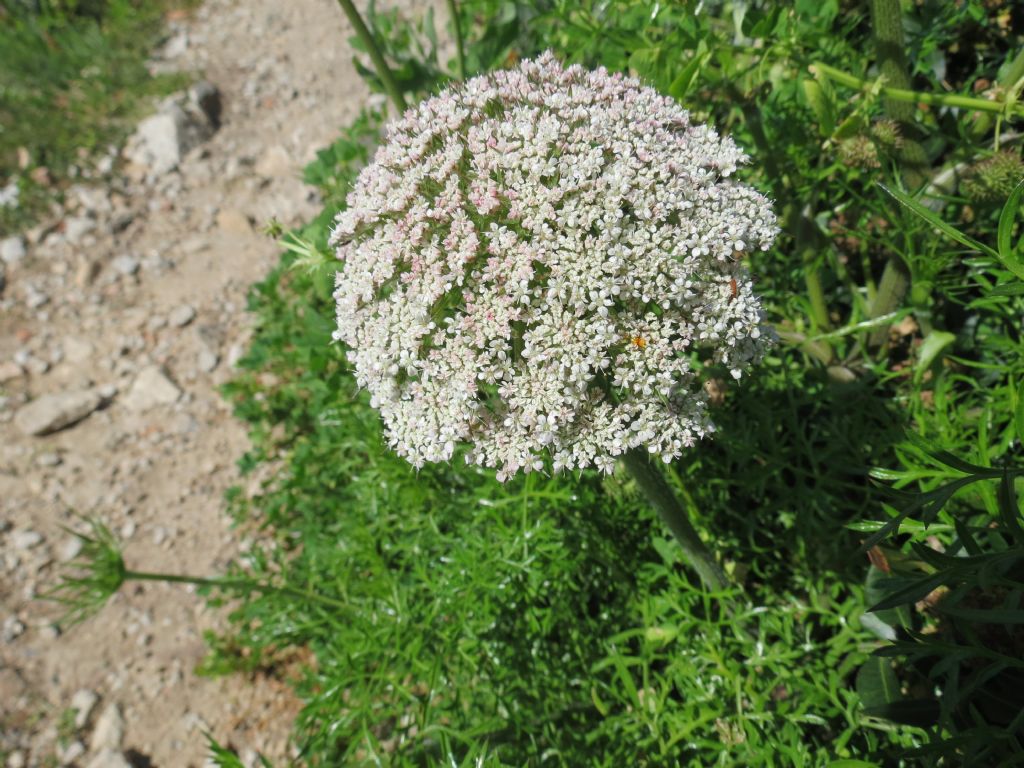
72,82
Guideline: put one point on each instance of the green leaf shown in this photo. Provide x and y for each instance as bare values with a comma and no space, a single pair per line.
680,87
822,105
877,684
911,593
1006,254
1009,510
848,763
932,218
930,348
1018,412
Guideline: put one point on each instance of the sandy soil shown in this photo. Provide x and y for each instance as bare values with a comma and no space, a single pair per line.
137,293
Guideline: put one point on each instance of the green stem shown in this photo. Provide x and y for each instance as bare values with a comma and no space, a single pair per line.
383,70
460,52
887,24
244,585
918,97
660,495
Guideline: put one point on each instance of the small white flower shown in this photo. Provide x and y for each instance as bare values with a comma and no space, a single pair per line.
532,260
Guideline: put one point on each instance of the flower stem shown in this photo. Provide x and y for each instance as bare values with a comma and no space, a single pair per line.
460,51
379,64
241,585
660,495
919,97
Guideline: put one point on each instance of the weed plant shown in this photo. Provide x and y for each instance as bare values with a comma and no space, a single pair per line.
73,77
550,620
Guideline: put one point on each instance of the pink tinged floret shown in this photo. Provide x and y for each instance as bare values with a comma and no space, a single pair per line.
530,243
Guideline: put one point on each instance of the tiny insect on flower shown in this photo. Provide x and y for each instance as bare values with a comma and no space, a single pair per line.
639,342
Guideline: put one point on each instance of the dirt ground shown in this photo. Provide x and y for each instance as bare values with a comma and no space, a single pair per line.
130,306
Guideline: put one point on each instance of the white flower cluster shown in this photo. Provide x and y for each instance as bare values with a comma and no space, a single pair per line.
532,262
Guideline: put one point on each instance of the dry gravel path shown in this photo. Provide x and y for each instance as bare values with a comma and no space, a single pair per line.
134,305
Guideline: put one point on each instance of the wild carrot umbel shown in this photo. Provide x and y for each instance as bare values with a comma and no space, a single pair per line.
533,262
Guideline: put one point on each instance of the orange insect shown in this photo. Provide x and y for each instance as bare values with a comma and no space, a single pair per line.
639,342
734,289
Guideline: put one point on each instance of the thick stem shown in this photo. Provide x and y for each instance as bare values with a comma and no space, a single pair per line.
460,50
887,21
244,585
658,492
383,70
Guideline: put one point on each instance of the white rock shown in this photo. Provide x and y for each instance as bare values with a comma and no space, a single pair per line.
109,758
77,227
70,754
12,249
207,360
69,549
151,388
83,702
50,413
126,265
181,316
16,760
158,144
49,459
109,730
78,350
9,371
26,539
12,629
276,162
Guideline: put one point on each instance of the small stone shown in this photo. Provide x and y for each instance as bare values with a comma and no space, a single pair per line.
16,759
158,143
51,413
34,299
70,754
78,350
207,360
9,371
181,316
128,529
109,730
159,535
275,163
12,250
77,227
69,549
48,459
126,265
83,702
12,629
235,222
26,539
151,388
109,758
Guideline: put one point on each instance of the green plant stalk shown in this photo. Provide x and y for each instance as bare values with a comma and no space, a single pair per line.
460,51
660,496
383,70
887,26
920,97
246,585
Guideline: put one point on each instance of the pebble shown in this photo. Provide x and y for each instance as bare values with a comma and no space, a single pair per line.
12,250
9,371
207,361
126,265
26,539
181,316
69,549
234,222
77,227
51,413
70,754
13,628
83,702
48,460
109,730
150,389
